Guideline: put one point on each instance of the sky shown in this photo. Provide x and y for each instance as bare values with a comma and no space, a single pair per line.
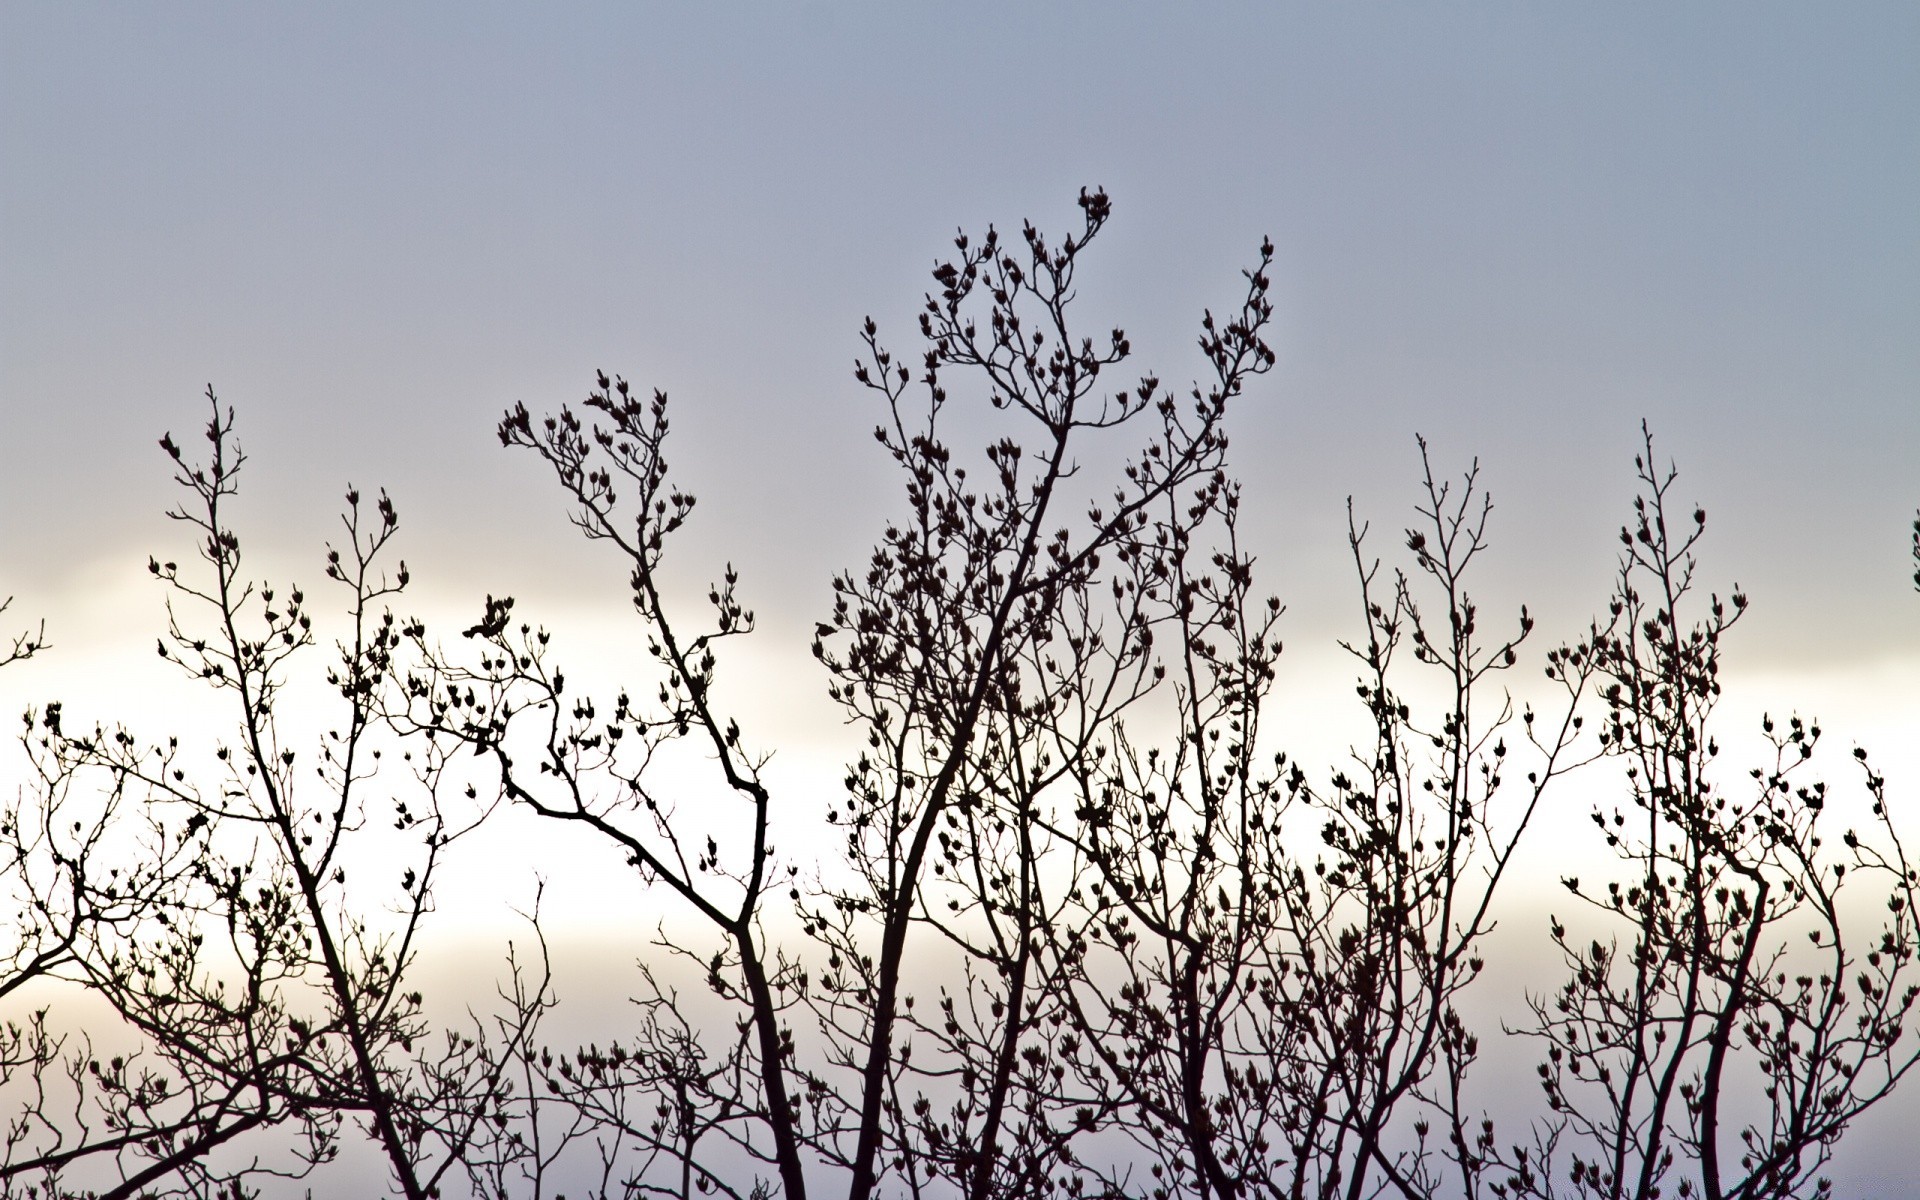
1518,230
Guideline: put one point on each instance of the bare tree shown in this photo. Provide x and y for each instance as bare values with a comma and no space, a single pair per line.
590,768
1752,1013
1094,932
986,665
263,999
992,651
1288,1027
1153,988
71,876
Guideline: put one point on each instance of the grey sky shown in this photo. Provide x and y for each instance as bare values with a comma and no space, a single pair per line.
1516,228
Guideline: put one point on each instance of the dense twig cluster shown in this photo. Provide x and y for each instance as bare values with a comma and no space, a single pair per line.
1714,1048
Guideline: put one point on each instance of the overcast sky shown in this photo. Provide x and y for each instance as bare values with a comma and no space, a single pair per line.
1516,229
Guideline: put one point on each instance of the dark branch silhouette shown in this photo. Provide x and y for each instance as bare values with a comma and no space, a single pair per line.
1085,925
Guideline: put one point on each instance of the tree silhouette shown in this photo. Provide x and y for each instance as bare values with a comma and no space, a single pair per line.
1090,928
1719,887
223,936
1287,1025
